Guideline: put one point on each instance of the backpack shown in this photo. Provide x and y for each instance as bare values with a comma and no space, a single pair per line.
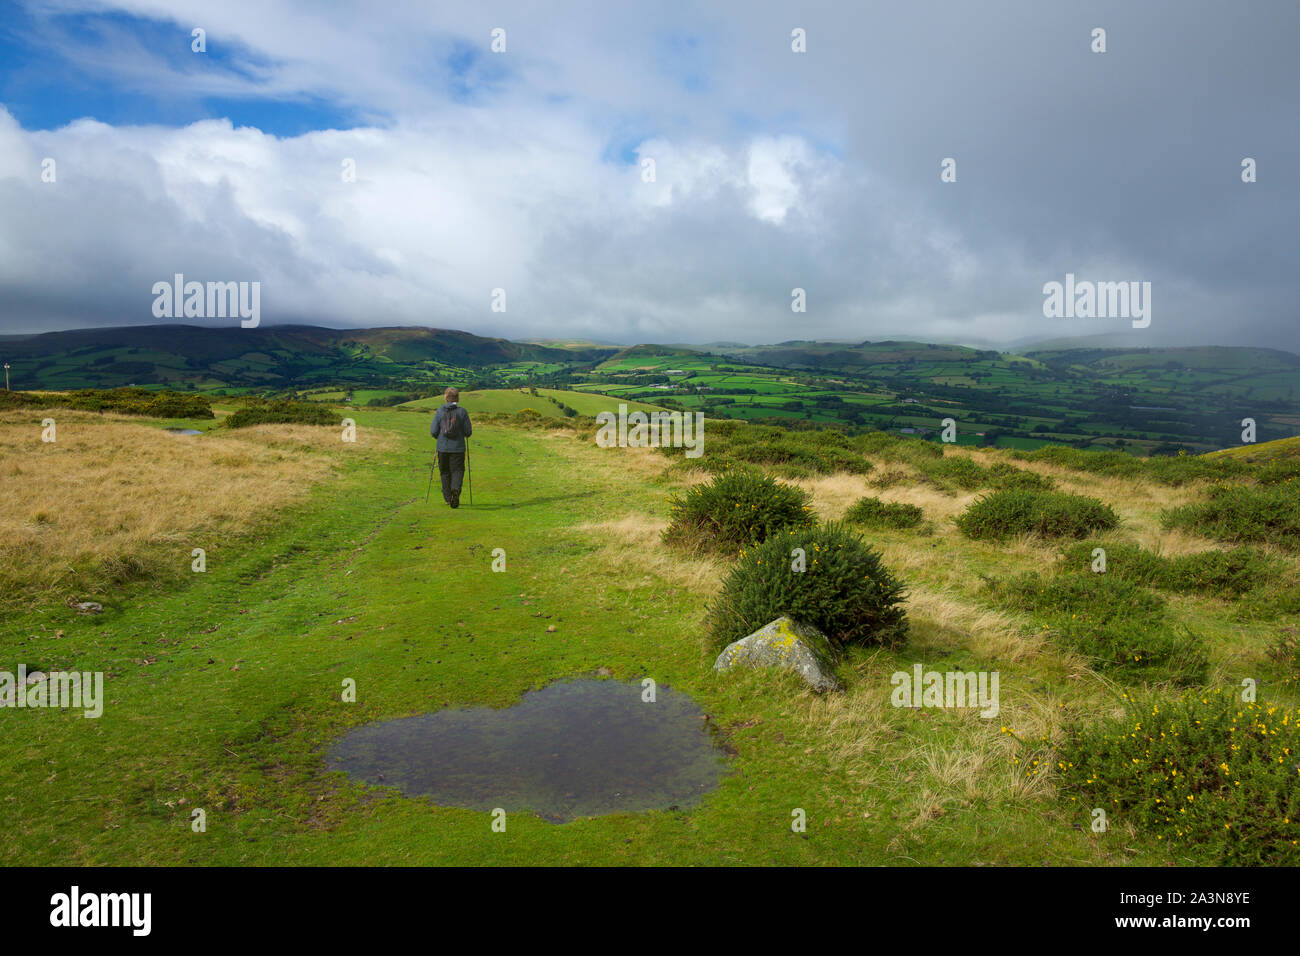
451,426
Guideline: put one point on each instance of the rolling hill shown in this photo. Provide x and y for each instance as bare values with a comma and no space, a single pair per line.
292,356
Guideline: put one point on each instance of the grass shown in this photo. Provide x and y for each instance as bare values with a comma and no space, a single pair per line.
224,688
113,500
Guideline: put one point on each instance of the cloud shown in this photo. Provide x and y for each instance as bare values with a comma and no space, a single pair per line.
773,170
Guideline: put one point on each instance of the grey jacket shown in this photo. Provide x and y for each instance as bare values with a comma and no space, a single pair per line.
451,444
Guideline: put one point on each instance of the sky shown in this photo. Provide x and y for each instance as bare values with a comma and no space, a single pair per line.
524,169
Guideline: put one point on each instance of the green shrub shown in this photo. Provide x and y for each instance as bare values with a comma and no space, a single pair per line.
1270,513
737,508
1002,475
796,454
874,513
1204,772
1223,573
954,473
1284,650
789,452
1269,603
897,448
844,590
1119,626
1169,470
1278,472
124,401
960,473
1052,514
281,413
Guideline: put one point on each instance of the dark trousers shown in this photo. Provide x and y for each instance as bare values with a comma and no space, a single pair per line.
451,464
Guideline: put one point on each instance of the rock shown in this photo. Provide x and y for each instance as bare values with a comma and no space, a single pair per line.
88,607
35,677
785,643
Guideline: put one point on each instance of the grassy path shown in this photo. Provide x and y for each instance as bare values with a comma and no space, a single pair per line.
223,695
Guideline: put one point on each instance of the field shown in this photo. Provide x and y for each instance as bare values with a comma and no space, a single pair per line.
325,564
1143,400
546,401
1159,401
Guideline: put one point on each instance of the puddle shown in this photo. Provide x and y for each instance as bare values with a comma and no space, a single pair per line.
572,749
184,431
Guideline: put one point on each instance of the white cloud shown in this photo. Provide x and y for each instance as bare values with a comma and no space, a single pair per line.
773,170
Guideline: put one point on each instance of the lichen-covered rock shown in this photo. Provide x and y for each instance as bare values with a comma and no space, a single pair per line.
784,643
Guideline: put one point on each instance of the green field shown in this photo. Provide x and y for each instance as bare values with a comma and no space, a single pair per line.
1158,401
509,401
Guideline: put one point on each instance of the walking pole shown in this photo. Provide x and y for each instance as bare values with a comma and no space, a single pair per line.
468,483
429,490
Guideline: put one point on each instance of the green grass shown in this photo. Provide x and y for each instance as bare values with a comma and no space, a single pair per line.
367,582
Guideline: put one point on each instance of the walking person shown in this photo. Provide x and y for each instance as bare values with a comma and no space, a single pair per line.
451,427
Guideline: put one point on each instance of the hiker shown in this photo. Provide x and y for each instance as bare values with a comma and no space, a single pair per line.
451,427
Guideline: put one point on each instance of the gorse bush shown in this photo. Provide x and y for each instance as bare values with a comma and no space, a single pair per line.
1052,514
1205,772
1119,626
124,401
1171,470
844,590
953,473
1279,472
897,448
1224,573
1270,513
1270,602
1002,475
874,513
791,453
735,509
281,413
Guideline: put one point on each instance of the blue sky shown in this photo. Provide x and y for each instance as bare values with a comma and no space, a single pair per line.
44,88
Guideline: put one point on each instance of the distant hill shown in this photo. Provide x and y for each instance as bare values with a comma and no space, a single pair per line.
1219,357
285,356
848,357
650,351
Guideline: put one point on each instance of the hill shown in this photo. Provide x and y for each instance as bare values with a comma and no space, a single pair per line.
1279,450
276,357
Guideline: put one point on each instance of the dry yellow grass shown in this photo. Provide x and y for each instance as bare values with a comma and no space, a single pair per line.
634,541
113,499
832,495
992,634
